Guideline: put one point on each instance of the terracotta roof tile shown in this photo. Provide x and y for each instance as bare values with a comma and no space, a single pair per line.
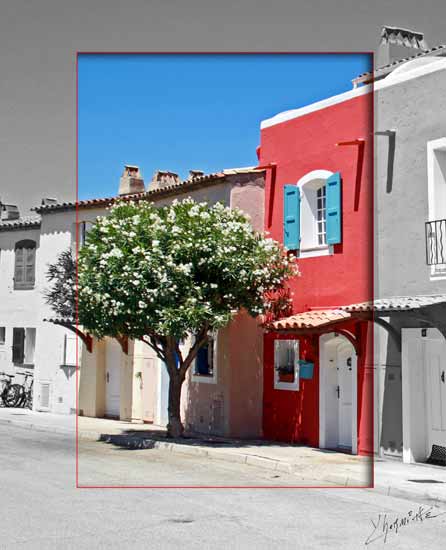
311,319
24,222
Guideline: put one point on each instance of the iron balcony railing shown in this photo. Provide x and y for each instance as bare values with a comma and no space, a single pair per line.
436,242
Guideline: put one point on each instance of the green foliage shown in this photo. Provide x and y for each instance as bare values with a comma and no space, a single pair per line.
61,295
169,271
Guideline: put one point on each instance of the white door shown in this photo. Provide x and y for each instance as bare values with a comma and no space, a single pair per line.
148,386
112,378
162,417
436,394
2,359
345,395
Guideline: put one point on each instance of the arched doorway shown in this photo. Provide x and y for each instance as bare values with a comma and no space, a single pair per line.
338,394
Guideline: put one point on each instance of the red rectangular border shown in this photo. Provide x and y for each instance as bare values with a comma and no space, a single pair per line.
77,485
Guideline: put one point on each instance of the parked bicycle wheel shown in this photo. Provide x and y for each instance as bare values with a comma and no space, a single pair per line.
12,397
28,400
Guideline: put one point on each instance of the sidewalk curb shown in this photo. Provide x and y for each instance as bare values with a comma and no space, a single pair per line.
213,454
234,457
405,494
38,427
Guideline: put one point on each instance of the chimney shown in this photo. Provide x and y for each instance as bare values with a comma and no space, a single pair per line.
131,181
162,179
9,212
397,43
195,174
47,201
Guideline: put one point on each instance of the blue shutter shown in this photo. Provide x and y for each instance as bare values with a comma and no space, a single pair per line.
291,217
334,209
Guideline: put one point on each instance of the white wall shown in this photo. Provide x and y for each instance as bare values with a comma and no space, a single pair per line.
57,235
18,308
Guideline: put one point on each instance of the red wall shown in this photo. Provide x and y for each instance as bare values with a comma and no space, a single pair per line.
299,146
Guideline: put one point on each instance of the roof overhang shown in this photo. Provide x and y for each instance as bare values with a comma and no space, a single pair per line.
312,321
395,304
317,321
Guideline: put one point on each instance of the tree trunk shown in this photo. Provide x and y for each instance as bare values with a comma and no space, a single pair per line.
175,427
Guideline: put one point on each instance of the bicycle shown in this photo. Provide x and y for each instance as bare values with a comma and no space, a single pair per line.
10,393
25,398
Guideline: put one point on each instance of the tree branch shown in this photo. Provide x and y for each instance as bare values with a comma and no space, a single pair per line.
200,339
180,355
171,345
152,344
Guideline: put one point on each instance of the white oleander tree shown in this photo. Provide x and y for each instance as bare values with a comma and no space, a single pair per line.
163,274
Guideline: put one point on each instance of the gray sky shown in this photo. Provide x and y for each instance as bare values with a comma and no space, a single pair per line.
38,41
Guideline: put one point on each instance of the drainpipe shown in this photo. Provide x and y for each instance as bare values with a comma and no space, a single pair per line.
272,187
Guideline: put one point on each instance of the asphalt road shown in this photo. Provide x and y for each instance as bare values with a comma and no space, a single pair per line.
42,509
104,464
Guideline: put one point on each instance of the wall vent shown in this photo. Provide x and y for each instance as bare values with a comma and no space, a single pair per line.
44,395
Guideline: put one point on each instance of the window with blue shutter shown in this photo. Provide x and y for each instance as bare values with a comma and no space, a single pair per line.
334,209
291,217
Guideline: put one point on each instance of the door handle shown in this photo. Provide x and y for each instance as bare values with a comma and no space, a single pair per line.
338,391
107,377
442,377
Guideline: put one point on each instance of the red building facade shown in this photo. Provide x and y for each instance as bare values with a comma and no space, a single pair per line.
318,363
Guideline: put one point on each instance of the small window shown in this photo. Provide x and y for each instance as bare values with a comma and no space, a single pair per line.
313,219
84,228
23,346
2,336
320,216
320,213
25,265
205,363
286,365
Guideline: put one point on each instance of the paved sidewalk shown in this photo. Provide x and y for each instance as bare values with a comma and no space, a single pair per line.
415,481
421,482
58,423
304,463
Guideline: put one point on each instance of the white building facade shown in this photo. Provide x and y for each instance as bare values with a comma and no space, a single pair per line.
28,344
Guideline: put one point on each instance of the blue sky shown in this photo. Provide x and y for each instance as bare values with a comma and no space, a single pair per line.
184,111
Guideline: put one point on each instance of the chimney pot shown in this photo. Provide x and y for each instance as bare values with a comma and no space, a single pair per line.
131,181
195,174
162,179
397,43
9,212
48,200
